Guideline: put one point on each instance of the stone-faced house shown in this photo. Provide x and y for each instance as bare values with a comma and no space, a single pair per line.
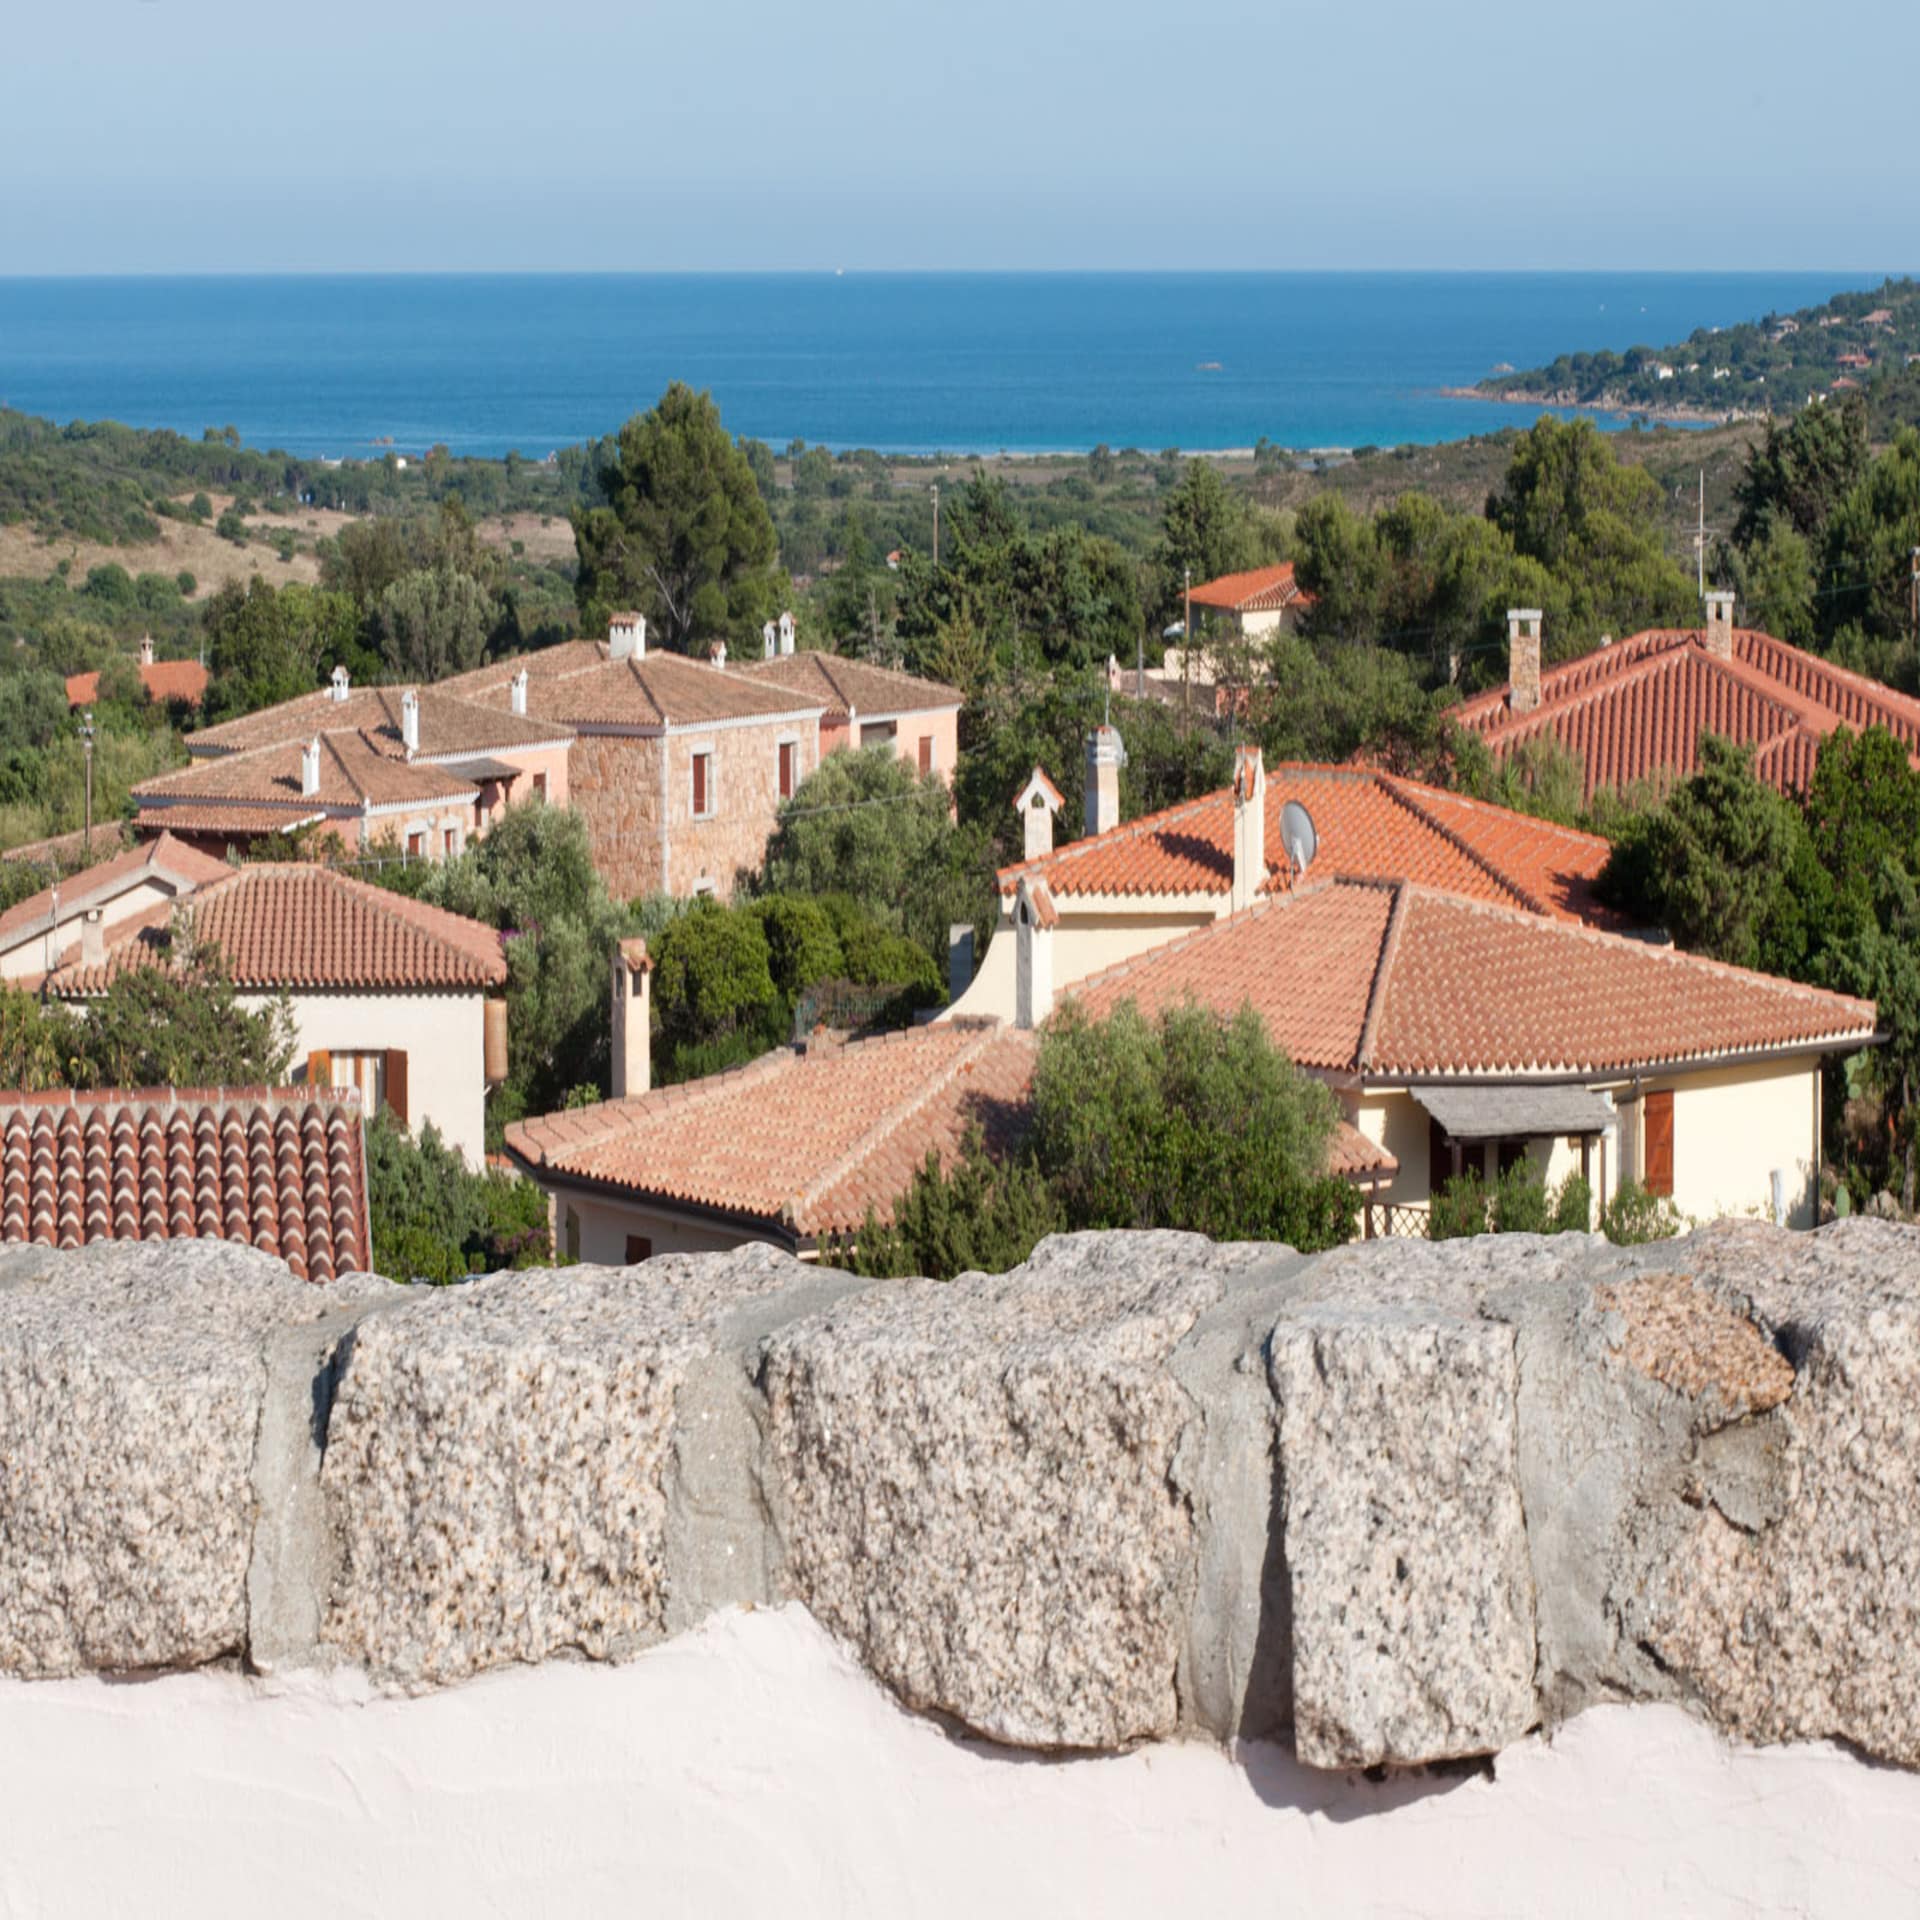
866,705
678,766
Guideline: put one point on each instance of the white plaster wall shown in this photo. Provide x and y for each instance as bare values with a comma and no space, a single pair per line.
750,1769
1083,944
1732,1127
605,1224
32,956
445,1042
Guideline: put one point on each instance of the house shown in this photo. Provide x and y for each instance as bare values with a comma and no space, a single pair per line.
792,1149
391,998
416,771
42,932
1634,711
677,766
1254,603
1859,362
863,705
180,681
1879,317
281,1169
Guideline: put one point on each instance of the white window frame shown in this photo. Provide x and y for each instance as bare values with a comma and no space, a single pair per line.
799,773
712,808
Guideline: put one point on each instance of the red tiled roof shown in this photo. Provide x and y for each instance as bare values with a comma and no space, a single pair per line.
1395,981
849,686
61,850
577,684
449,725
221,817
166,856
353,770
184,680
1261,590
1352,1155
1369,823
306,927
1635,711
803,1141
282,1170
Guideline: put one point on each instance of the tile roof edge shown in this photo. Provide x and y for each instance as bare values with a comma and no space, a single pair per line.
1008,877
1464,847
1382,979
1652,660
379,900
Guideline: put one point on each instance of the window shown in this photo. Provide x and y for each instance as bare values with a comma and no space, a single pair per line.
450,842
573,1236
1656,1125
417,844
702,785
788,752
639,1247
926,754
378,1075
539,786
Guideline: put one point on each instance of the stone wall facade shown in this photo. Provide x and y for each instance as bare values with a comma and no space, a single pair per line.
1401,1503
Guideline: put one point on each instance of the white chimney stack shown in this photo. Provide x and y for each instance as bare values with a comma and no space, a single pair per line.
632,1019
517,692
717,653
770,639
1523,659
310,768
339,686
146,649
93,937
1249,827
410,722
1106,755
1036,803
786,633
1034,919
1720,625
626,636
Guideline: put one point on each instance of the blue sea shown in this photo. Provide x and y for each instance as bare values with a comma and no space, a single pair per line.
912,363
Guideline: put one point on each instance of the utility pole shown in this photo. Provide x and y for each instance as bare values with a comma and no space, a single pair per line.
1700,538
86,745
936,526
1186,648
1914,591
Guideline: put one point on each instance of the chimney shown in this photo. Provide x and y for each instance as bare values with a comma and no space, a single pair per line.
770,640
786,633
340,685
626,636
517,692
1036,803
93,937
1523,658
310,768
1034,919
1249,827
717,653
632,1019
410,722
959,959
1106,755
1719,634
146,649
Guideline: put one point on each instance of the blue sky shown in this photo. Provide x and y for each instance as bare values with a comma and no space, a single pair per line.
149,135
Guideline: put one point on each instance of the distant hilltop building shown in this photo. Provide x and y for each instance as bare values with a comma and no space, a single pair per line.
184,681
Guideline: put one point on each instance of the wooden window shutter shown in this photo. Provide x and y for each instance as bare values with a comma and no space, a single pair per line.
639,1248
1656,1119
926,754
699,783
397,1084
320,1068
786,769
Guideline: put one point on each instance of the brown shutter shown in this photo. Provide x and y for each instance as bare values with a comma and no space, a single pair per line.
699,783
320,1068
397,1084
1656,1117
639,1248
926,754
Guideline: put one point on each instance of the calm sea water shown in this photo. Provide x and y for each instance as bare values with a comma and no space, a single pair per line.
901,362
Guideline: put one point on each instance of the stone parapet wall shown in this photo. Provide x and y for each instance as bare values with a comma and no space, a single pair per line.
1399,1503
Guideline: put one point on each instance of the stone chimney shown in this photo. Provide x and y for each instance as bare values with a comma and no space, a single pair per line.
517,692
1034,919
310,768
1523,659
146,649
339,686
786,633
410,722
626,636
770,640
1719,634
1106,755
632,1019
1249,827
93,937
1036,803
717,653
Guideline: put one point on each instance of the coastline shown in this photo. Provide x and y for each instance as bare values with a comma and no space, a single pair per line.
1671,416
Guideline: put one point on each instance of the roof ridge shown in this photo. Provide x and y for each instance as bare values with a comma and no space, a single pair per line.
1134,829
893,1120
681,1093
1382,978
1870,689
1461,845
1533,822
1652,661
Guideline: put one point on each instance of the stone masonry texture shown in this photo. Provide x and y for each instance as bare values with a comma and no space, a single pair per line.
1398,1503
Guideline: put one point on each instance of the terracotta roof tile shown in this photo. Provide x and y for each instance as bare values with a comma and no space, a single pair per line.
283,1170
302,926
1369,824
1260,590
1635,712
577,684
165,856
849,686
164,680
449,725
353,771
1399,981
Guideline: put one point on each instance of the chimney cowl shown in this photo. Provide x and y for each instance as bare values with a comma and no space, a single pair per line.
340,685
410,722
632,1019
1249,827
717,653
1523,659
1719,628
786,633
1106,755
93,937
626,636
146,649
517,692
310,768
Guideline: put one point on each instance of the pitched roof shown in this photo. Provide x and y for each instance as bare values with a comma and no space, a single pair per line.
579,685
306,927
184,680
1635,711
849,686
64,850
1260,590
283,1170
1396,981
165,858
449,725
354,770
1370,824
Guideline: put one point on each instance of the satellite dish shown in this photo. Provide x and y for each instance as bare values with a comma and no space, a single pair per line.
1298,837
